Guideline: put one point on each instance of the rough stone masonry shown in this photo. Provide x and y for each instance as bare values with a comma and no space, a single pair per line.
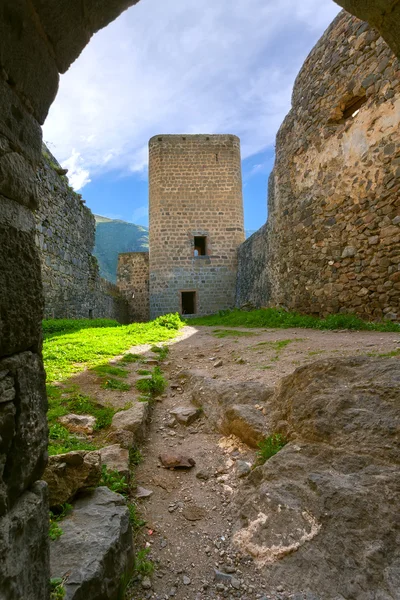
332,239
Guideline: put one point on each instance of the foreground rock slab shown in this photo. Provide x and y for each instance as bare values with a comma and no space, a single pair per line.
96,548
321,516
129,427
70,473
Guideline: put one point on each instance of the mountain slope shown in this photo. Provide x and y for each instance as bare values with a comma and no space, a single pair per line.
113,237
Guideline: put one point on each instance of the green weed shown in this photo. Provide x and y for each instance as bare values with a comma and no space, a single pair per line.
114,481
153,386
103,370
135,456
115,384
391,354
55,517
57,590
134,517
162,351
143,565
143,372
279,318
269,446
131,358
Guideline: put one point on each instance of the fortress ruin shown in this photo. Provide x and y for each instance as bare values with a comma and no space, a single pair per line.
39,40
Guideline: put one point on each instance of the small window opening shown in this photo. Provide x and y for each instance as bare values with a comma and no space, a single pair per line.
353,106
188,301
90,313
200,245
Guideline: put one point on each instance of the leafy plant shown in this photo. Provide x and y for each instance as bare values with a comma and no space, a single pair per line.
113,480
143,566
162,351
55,516
57,590
55,530
135,456
269,446
171,321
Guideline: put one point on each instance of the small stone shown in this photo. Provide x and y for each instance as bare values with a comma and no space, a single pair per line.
146,583
79,423
171,460
186,580
203,475
243,468
222,577
185,414
235,583
218,363
141,492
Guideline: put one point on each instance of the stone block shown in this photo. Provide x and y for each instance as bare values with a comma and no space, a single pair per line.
96,548
70,473
18,179
26,452
25,56
24,547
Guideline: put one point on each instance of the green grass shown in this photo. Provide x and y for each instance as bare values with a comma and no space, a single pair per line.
143,565
144,372
115,384
162,351
104,370
80,344
391,354
278,318
277,345
57,590
154,386
131,358
223,333
270,446
51,326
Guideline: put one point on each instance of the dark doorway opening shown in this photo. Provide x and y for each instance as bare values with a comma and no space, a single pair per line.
188,302
200,245
90,313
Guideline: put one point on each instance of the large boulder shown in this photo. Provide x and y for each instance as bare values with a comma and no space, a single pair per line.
231,407
95,551
70,473
321,516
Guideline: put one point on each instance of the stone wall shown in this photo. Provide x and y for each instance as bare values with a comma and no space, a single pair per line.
65,231
195,189
133,283
38,39
332,240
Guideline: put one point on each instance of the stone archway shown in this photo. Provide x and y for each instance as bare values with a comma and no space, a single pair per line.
38,40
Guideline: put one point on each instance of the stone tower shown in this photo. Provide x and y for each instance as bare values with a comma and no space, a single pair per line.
196,222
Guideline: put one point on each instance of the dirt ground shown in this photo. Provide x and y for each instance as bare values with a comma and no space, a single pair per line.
190,516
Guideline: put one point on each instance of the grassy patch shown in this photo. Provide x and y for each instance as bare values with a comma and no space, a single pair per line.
62,441
131,358
144,372
277,345
143,565
115,384
223,333
68,351
278,318
55,530
104,370
269,446
135,456
153,386
391,354
162,351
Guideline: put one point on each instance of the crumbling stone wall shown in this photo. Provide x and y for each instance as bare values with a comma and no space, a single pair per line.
195,189
65,232
133,283
333,232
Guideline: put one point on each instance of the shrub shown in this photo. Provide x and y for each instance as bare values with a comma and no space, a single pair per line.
170,321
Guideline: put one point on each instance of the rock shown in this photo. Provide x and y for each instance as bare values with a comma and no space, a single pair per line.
141,492
330,497
67,474
186,580
221,577
116,459
134,420
235,583
172,460
194,513
146,583
246,422
95,550
218,363
185,414
121,437
243,468
78,423
217,397
204,475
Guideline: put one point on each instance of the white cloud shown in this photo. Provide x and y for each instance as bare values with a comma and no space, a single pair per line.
140,213
78,176
175,66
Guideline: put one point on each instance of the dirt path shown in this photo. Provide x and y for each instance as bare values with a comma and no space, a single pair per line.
189,515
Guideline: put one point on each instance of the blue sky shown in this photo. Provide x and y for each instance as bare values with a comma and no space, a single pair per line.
180,66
